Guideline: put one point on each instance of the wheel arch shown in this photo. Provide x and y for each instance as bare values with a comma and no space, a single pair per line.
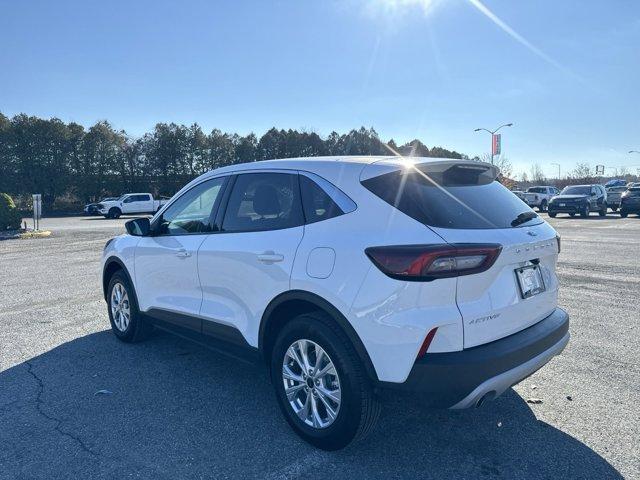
296,302
111,266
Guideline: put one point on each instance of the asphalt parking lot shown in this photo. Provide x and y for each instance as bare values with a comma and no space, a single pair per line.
76,403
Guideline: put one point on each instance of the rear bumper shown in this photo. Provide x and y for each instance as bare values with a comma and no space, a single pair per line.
463,379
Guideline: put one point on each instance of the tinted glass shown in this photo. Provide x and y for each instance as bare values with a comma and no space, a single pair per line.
263,201
634,192
537,190
191,212
455,199
576,190
317,203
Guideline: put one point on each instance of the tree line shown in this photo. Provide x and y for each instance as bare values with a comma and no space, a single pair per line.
66,161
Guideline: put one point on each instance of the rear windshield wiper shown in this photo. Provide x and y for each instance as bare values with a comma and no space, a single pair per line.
523,218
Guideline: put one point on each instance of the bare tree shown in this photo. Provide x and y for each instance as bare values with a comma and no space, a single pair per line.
537,174
582,172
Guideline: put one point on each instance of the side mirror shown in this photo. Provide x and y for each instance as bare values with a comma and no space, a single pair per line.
138,227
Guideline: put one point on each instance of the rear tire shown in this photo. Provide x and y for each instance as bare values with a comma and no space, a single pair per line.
623,213
572,215
127,323
552,214
337,425
614,209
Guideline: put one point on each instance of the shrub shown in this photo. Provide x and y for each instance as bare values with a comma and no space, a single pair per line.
10,217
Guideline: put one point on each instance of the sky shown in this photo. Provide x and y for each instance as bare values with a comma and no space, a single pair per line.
566,74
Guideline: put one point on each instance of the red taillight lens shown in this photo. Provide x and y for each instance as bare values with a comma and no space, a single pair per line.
428,262
427,342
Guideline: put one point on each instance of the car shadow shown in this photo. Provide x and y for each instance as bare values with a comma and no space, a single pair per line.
166,408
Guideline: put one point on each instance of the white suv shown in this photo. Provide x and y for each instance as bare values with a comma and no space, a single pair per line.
347,276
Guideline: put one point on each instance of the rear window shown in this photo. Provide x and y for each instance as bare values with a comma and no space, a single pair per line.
460,197
537,190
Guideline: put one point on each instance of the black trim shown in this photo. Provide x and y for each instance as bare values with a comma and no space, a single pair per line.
180,319
245,353
444,379
327,307
224,201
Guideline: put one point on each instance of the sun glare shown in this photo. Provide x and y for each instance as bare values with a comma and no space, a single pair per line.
401,6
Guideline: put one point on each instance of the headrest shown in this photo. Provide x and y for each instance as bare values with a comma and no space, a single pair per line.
265,201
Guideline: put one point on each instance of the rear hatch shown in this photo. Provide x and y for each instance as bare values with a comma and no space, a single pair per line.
493,303
462,203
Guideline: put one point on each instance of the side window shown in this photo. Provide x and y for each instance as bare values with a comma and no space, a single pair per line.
317,203
143,198
263,201
191,213
128,199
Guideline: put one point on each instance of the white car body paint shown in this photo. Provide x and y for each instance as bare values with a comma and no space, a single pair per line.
225,280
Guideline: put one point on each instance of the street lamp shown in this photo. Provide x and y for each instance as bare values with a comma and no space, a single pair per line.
493,132
558,165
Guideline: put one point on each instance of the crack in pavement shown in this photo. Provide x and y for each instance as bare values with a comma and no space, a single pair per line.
58,426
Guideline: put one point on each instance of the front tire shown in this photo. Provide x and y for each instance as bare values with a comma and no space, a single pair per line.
331,404
115,213
552,214
543,206
127,323
603,210
585,212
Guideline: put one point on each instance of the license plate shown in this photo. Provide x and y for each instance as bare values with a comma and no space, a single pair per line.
530,281
563,204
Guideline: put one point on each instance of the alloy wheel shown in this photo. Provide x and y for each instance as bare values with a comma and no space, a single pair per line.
120,307
311,383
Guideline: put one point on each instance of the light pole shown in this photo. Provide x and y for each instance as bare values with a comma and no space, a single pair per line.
493,132
557,165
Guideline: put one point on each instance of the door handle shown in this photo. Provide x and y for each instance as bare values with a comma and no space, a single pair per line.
182,253
270,257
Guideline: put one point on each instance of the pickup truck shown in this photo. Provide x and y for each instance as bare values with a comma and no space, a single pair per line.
130,203
540,196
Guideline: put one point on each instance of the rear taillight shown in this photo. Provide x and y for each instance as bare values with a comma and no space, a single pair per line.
428,262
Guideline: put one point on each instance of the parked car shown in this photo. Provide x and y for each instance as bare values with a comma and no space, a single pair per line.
613,196
130,203
580,199
519,194
346,276
540,197
630,202
616,182
92,208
